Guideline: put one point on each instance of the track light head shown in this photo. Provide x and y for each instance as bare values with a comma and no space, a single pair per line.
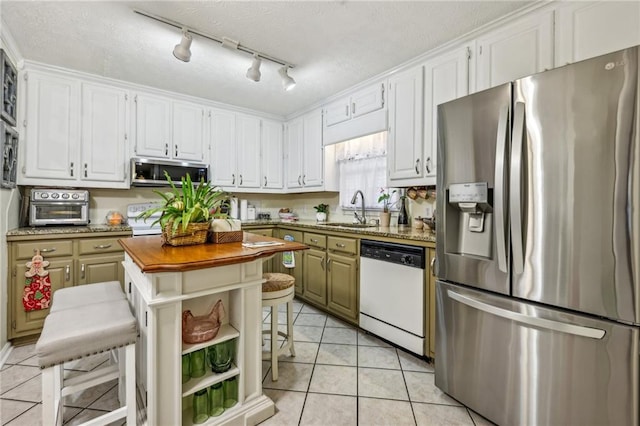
287,82
182,50
253,73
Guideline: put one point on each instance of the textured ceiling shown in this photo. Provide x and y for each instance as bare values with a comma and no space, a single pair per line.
334,45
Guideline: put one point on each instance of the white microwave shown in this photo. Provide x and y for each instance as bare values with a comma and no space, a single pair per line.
150,172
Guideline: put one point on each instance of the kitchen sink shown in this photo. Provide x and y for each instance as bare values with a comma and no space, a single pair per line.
348,225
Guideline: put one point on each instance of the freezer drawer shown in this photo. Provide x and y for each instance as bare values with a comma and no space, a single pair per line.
522,364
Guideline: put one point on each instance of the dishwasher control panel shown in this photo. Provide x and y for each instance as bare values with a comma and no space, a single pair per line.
394,253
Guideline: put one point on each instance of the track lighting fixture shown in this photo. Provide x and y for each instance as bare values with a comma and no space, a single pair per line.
253,73
182,50
287,82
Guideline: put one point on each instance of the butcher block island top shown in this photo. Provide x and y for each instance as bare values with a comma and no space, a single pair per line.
151,256
164,284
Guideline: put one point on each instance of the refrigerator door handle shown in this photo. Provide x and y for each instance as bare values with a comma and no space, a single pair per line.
499,191
577,330
515,188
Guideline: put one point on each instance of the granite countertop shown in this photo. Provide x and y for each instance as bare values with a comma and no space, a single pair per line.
70,229
406,233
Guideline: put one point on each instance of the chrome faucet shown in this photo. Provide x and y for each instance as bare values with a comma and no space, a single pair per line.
360,218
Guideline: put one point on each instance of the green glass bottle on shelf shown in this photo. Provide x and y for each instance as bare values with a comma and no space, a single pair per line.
200,406
230,392
216,400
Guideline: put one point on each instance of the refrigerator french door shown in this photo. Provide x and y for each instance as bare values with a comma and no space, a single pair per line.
538,254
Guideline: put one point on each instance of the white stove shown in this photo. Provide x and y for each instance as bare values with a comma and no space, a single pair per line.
141,227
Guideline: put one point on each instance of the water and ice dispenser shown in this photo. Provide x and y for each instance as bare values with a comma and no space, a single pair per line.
469,219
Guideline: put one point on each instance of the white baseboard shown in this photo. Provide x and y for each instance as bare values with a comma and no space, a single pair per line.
4,353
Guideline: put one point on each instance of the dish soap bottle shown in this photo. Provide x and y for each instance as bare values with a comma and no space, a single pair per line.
403,217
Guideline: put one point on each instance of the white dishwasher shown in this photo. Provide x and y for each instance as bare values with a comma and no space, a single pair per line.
392,293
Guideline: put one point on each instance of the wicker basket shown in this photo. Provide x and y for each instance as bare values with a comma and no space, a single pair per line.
196,233
226,237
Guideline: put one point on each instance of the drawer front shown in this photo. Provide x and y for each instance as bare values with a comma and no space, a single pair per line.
265,232
51,248
99,245
298,236
315,240
344,245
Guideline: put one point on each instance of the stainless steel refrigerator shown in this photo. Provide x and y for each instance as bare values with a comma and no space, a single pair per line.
538,247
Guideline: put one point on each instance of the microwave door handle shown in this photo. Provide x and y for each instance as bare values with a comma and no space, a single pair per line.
515,188
499,192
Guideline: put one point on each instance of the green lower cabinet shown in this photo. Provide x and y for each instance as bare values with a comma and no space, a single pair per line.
297,271
342,285
315,278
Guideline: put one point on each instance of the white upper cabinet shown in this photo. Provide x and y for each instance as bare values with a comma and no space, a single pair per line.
405,156
52,128
272,155
153,126
104,133
76,133
188,131
446,77
248,159
168,129
235,155
588,29
313,153
305,153
223,148
518,49
359,103
359,114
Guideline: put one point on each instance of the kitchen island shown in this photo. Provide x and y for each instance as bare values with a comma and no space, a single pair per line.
161,283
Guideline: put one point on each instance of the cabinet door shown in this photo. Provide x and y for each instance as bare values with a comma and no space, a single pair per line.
588,29
295,144
53,126
248,160
337,112
342,285
96,269
153,126
367,100
272,155
445,78
188,131
297,270
313,150
405,125
267,265
522,48
315,279
26,323
104,133
223,144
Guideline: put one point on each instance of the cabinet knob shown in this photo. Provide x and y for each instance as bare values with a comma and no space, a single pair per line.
265,181
71,168
428,164
240,179
176,150
340,245
299,177
85,169
82,271
102,246
303,179
166,149
233,179
418,166
328,264
67,273
45,250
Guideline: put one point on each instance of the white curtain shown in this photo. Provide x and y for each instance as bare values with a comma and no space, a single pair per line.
363,166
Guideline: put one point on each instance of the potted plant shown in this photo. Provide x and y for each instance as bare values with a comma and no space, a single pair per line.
321,212
385,199
187,211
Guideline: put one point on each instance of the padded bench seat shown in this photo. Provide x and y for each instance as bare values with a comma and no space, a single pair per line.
82,295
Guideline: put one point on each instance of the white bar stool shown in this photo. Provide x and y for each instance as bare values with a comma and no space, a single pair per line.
277,289
70,334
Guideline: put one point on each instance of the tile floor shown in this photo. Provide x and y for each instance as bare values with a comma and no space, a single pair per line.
339,376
